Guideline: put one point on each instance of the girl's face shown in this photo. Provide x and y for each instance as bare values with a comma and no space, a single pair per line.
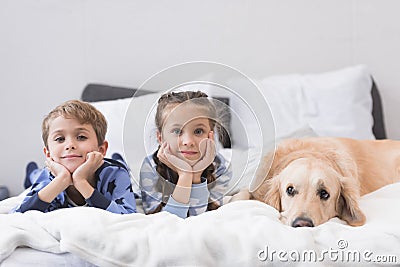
185,125
70,141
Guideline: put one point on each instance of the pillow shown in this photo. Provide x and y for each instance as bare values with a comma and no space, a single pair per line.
336,103
115,110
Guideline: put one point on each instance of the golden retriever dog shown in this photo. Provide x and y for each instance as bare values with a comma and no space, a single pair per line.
312,180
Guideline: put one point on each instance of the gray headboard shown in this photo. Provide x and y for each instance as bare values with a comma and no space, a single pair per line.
100,92
377,112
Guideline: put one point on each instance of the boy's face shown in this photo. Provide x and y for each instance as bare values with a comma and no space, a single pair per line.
183,129
70,141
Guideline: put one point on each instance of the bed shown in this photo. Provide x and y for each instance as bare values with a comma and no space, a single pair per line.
240,233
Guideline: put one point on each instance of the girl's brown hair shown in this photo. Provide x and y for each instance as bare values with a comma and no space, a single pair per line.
197,98
83,112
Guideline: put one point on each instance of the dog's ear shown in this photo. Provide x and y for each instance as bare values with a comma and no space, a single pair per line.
270,166
343,163
347,206
259,186
273,195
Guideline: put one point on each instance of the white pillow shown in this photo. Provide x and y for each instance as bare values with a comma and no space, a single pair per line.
115,111
336,103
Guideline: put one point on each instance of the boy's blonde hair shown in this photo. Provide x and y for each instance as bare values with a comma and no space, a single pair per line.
83,112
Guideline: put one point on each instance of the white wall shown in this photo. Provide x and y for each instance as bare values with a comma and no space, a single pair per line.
50,49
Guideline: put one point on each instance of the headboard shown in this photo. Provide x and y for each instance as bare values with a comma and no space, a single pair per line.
100,92
377,113
94,92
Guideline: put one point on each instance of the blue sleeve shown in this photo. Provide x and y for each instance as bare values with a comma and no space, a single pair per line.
177,208
203,193
197,202
223,176
114,191
32,200
151,198
199,198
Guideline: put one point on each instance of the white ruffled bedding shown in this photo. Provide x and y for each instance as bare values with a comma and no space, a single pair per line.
238,234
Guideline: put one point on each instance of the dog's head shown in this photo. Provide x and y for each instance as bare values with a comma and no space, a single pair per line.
309,186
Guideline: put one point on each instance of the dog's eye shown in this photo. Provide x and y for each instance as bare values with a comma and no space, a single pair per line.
290,191
323,194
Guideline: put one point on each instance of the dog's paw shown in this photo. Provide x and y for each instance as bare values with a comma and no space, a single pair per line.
243,194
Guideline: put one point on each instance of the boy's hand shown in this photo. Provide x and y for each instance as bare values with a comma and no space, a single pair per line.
62,179
93,161
59,170
83,176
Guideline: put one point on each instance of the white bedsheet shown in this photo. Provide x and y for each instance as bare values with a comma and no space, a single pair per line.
25,256
241,233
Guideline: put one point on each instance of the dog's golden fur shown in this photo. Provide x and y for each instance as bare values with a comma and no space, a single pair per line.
312,180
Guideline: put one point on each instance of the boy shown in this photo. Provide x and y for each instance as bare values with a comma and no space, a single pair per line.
77,173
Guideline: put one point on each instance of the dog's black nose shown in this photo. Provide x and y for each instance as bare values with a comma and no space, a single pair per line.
302,222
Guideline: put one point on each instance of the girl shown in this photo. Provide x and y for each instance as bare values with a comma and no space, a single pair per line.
184,176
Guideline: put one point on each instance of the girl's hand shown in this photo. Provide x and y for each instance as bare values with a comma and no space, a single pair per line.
173,162
93,161
58,170
163,158
211,135
208,152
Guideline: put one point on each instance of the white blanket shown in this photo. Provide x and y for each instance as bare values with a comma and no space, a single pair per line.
243,233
